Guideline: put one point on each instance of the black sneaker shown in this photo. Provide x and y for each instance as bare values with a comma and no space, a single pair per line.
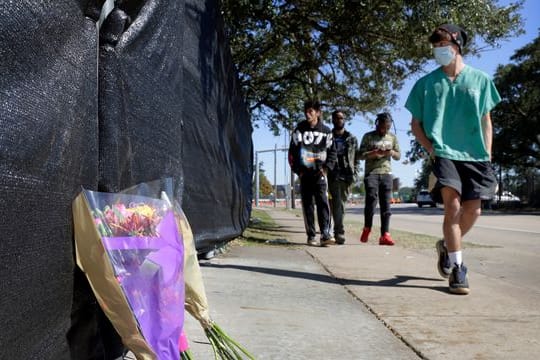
443,263
458,283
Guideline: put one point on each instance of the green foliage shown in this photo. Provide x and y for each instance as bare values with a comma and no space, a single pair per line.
516,120
359,188
351,54
407,194
416,151
422,180
516,123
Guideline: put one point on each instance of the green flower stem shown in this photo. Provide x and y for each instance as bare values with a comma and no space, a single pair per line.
224,347
186,355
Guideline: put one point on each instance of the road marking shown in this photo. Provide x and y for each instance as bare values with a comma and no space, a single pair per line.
505,229
433,220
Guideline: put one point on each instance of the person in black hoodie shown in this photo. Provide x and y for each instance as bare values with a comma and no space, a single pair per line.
312,154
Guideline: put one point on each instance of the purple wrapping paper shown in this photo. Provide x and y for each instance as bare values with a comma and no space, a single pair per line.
149,270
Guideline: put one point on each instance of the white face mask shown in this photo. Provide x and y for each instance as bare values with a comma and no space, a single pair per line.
443,55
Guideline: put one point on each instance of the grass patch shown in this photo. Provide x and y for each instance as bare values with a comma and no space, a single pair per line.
260,220
404,239
262,229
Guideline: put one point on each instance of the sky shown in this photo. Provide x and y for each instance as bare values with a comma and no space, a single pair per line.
264,140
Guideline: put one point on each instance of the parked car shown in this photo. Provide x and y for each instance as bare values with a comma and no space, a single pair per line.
505,200
424,198
507,196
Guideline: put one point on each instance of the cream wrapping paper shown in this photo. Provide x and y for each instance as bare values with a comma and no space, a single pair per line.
93,261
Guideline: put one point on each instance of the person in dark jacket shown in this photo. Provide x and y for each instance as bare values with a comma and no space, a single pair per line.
344,174
311,155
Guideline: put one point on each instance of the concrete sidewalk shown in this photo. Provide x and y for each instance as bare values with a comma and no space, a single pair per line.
359,301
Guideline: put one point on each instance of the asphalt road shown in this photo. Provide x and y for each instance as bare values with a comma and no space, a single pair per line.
509,243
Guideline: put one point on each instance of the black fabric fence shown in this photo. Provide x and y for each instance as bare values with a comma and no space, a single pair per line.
150,94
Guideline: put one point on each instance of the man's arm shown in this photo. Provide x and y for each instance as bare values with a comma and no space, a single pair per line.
331,153
420,135
362,149
395,153
293,158
364,153
356,164
487,131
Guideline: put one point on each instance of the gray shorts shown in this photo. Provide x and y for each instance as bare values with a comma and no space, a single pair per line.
473,180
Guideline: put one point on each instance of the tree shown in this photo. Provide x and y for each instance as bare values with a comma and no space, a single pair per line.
359,187
351,54
422,180
516,120
265,186
407,194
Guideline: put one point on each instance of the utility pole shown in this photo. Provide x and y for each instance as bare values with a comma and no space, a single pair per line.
257,180
275,175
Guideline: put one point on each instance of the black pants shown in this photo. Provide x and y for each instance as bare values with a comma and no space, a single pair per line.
312,187
378,186
339,192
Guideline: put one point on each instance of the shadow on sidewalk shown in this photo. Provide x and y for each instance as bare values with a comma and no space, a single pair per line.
284,229
396,281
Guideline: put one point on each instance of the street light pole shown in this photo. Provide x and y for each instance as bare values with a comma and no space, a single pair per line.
275,175
257,185
274,150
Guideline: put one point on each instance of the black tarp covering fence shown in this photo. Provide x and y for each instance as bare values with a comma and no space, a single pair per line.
217,136
151,94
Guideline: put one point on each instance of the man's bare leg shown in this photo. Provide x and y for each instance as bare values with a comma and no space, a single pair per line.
470,211
452,218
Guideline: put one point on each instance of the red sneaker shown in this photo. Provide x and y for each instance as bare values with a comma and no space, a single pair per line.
365,234
386,239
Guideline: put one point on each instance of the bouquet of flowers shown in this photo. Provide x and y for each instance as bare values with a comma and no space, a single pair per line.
132,253
196,303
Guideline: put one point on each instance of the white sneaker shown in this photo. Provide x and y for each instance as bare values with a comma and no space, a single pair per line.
327,242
